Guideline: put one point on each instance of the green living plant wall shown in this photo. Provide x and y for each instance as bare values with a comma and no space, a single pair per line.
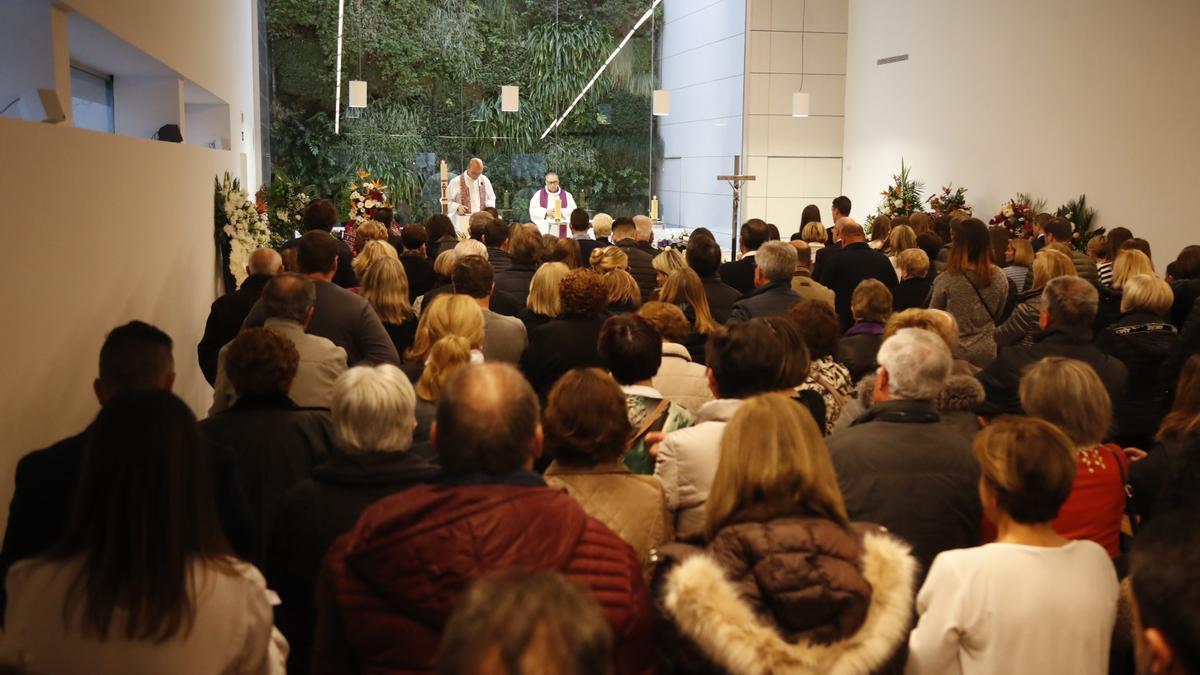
434,69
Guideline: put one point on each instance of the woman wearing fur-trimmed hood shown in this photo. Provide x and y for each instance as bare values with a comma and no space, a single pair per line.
787,584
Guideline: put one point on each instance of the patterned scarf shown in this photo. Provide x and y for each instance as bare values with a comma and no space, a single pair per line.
545,198
464,192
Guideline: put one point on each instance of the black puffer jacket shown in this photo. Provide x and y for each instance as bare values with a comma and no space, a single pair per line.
1143,341
788,595
641,267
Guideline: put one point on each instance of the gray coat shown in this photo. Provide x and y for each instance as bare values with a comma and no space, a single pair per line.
774,298
976,313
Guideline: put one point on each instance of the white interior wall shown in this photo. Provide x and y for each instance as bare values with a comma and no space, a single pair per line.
795,45
143,105
26,60
1050,98
141,243
703,65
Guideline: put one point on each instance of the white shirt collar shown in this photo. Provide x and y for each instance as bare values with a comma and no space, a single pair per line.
641,390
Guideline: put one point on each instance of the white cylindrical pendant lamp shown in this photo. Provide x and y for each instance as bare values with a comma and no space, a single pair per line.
799,104
510,98
358,93
662,102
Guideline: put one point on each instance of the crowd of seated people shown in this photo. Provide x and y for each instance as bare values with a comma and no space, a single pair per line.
927,448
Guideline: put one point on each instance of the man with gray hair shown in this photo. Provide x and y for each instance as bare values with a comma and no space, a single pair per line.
230,310
772,294
900,465
1069,307
645,234
288,302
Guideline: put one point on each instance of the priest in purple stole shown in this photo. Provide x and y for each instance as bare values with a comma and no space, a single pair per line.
549,202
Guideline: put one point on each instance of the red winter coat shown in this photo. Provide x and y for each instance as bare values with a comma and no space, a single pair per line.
389,585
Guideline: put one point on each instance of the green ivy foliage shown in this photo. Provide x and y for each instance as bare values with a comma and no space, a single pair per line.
434,70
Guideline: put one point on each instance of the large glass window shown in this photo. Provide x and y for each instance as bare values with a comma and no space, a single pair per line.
92,100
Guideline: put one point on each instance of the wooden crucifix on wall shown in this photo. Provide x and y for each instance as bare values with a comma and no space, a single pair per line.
735,181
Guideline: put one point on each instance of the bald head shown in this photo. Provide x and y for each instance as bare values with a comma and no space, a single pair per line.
475,167
265,261
645,228
487,421
803,254
852,232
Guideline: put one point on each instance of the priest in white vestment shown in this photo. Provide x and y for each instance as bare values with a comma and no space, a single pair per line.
469,192
550,204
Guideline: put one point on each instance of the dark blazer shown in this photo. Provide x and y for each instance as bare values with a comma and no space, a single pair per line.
774,298
648,248
276,444
44,495
848,268
857,350
403,334
901,466
641,267
721,297
1002,378
823,256
499,260
739,274
421,277
502,302
515,282
348,321
315,512
225,319
558,346
911,293
344,276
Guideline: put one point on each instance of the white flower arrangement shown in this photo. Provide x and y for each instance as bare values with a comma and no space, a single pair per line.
244,226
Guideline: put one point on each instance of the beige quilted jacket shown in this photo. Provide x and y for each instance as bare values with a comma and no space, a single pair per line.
630,505
681,380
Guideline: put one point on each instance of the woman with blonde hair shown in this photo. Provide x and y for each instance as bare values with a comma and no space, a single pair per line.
1030,582
1142,338
446,356
1128,264
624,296
684,289
384,285
666,262
1022,324
813,234
449,314
837,597
367,232
609,258
1018,263
972,289
1070,395
372,250
543,303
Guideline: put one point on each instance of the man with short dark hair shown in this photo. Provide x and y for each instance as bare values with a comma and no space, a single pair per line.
843,271
1069,307
744,359
1164,575
838,210
704,257
287,304
227,313
1061,231
740,273
412,555
321,215
772,292
504,337
413,244
495,236
343,317
135,357
524,249
477,224
641,265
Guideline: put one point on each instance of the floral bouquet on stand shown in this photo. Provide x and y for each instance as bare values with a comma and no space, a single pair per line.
677,241
902,198
240,228
1081,216
365,199
1018,215
284,201
948,201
